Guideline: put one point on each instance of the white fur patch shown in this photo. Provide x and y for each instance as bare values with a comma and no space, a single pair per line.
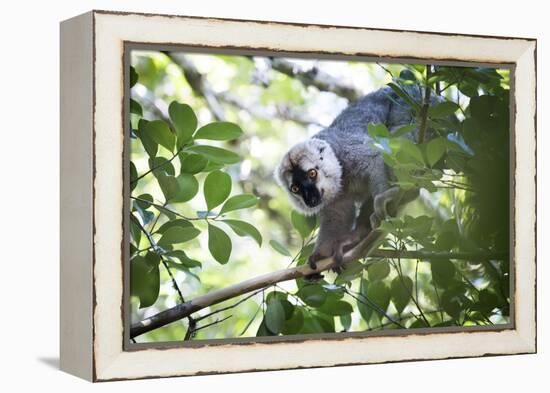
311,154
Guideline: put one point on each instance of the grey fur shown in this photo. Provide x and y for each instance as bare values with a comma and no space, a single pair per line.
364,195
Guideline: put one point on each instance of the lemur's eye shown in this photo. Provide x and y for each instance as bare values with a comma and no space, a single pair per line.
312,173
294,188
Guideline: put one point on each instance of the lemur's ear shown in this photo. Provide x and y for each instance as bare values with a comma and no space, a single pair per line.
281,171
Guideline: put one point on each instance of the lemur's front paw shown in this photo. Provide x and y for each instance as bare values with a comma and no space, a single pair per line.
314,258
338,261
312,262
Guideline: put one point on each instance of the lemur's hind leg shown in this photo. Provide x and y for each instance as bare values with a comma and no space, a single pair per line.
362,225
387,203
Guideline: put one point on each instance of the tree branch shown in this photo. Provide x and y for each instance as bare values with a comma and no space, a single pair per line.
435,255
152,104
283,112
317,78
198,83
183,310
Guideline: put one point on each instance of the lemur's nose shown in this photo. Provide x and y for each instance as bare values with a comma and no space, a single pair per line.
313,201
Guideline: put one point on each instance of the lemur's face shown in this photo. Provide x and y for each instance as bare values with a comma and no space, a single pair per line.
311,174
304,184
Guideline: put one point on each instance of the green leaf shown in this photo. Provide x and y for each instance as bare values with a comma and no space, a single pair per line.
145,279
150,146
407,75
188,187
365,309
379,293
217,187
326,322
135,232
212,166
237,202
167,212
242,228
350,272
419,323
443,109
335,307
279,248
401,290
295,323
378,130
160,132
133,76
305,253
288,307
468,89
313,295
303,224
263,330
161,165
378,270
282,298
144,201
133,175
312,325
178,234
192,163
405,96
184,120
488,300
446,240
452,302
169,186
405,146
404,130
275,316
219,244
345,320
135,107
443,271
219,131
183,258
435,150
216,154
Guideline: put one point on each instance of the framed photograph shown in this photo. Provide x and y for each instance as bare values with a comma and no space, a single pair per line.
245,195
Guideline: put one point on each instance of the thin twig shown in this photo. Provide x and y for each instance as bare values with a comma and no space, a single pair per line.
415,301
211,324
165,208
251,320
385,69
159,165
372,305
197,319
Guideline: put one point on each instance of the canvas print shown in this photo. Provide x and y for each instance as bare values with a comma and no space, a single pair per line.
280,196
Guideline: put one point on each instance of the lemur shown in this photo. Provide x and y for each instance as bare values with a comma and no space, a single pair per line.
339,174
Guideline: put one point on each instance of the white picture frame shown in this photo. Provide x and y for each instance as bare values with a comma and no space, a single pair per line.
93,200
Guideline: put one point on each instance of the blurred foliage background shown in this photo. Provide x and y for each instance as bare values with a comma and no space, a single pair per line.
207,133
